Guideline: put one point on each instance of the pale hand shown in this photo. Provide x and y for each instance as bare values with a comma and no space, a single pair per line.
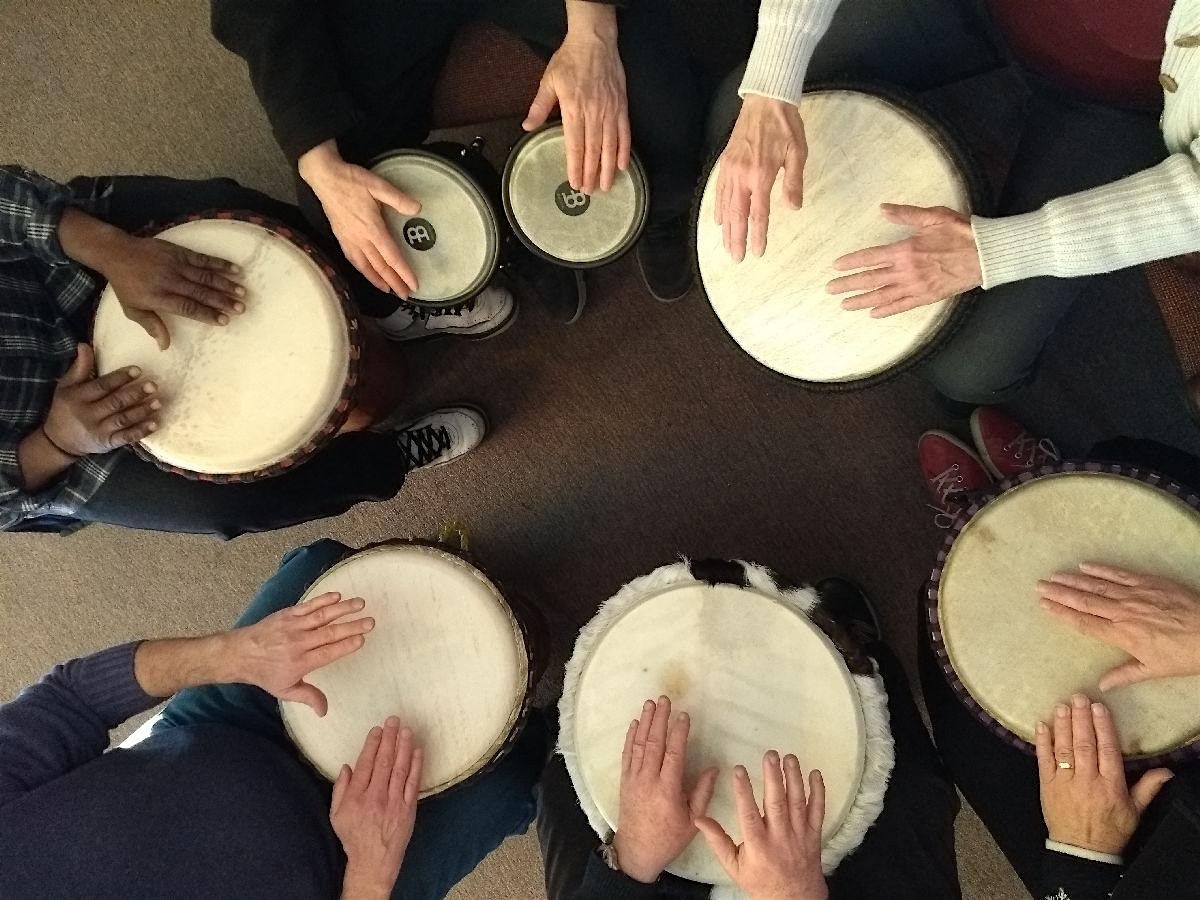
657,815
586,80
374,809
277,652
768,136
1154,620
351,197
1089,804
780,854
95,415
940,260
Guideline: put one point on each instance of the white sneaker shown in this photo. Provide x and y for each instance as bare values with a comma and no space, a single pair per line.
440,436
485,315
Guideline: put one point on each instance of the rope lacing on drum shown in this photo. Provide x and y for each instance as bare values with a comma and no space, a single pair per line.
1032,451
423,445
949,490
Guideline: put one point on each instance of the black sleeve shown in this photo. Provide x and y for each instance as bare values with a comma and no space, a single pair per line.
293,65
602,883
1077,878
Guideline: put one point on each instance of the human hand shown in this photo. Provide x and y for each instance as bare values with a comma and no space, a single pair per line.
656,818
351,197
586,80
277,652
1154,620
780,854
374,809
95,415
941,260
1085,800
768,136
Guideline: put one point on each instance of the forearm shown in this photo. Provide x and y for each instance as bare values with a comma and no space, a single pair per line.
357,885
41,461
91,242
787,37
165,667
588,19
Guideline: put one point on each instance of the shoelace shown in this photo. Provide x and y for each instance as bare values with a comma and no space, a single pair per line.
946,485
425,313
1031,451
423,445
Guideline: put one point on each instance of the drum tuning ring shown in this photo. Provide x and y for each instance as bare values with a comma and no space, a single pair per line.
475,146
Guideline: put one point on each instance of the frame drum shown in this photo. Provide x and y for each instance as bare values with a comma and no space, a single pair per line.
560,224
1005,657
864,150
255,397
753,671
448,656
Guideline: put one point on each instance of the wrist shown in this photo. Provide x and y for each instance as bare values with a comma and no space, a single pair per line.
164,667
629,864
54,448
1109,845
588,20
92,243
360,883
315,164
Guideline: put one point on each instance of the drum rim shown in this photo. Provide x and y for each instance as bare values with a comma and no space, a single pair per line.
345,403
1186,751
501,748
493,264
636,171
945,136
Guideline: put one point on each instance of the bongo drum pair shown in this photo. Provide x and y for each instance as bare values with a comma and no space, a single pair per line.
864,148
458,240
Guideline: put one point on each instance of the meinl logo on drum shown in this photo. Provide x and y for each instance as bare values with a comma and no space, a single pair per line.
571,202
420,234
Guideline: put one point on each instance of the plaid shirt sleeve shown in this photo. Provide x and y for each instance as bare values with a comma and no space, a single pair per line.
30,207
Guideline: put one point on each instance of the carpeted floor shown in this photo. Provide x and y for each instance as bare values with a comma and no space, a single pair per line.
621,442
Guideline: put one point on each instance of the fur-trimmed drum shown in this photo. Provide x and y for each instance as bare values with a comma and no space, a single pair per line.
1008,660
448,656
863,150
752,665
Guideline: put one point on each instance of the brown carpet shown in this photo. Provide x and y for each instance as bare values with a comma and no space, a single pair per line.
632,437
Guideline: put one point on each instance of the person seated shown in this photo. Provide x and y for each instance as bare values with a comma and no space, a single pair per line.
64,432
217,801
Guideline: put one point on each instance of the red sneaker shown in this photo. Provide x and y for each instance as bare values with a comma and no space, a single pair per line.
1006,447
952,471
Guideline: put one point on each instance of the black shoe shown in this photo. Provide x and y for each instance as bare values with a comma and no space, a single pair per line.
563,291
664,257
848,605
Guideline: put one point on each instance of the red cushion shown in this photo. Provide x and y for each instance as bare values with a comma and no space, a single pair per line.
489,75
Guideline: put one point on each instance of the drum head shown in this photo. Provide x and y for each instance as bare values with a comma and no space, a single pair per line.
752,672
446,656
242,397
453,243
561,224
1017,662
862,151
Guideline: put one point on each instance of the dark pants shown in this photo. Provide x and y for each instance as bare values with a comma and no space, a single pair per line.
454,830
999,781
395,90
908,853
351,469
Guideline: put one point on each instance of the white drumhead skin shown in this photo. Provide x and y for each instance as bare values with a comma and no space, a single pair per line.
1017,661
446,656
862,151
541,201
465,245
753,674
243,396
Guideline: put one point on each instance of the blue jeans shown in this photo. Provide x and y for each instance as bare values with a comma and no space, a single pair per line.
454,830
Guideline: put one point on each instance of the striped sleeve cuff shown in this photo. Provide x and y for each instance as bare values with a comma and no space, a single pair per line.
788,34
1014,247
1083,853
105,681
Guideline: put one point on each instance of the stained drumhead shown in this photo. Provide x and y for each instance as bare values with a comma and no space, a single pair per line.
862,151
566,225
241,397
446,656
752,672
453,243
1013,658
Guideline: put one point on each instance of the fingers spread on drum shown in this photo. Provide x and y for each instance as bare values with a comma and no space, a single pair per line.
1112,573
1109,759
749,817
775,809
1083,736
1063,752
1083,593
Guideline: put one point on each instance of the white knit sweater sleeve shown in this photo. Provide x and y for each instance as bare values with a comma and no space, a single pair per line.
788,33
1151,215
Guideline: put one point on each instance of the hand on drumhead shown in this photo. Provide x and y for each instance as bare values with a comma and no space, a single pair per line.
941,260
1154,620
154,278
780,854
352,198
768,136
656,818
95,415
374,809
1085,799
586,80
278,652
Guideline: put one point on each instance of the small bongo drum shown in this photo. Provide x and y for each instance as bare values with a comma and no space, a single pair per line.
1007,659
864,149
448,656
561,224
454,243
262,394
755,667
